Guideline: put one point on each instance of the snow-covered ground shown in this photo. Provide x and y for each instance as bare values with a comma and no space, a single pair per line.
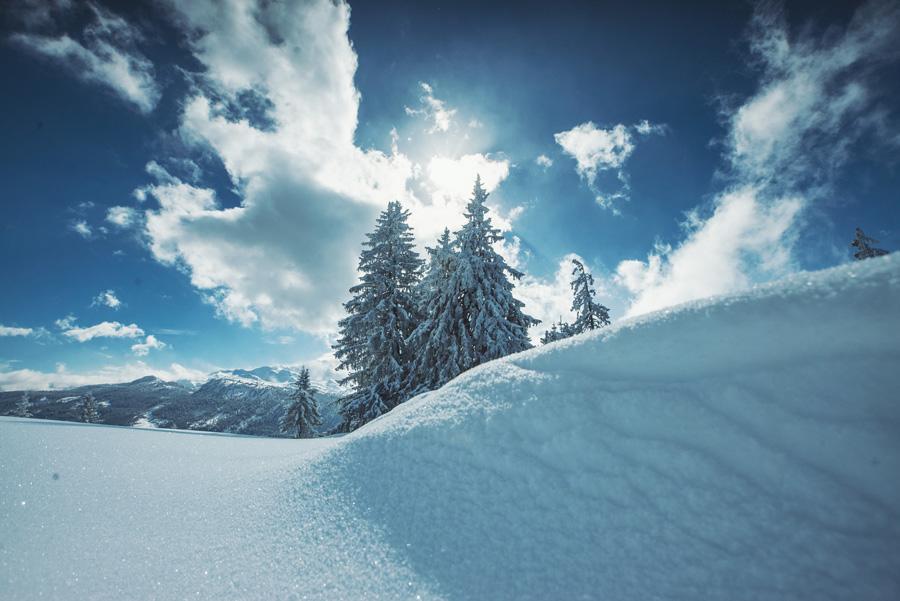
746,447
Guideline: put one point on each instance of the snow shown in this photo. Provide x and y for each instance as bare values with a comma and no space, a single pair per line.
744,447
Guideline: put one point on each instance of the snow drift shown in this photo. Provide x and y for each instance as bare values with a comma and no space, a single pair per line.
745,447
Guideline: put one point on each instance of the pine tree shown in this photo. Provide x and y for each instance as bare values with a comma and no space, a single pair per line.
471,316
23,407
557,331
382,313
589,314
863,244
440,265
303,414
88,409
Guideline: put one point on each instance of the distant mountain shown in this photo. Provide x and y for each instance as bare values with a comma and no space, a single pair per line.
239,401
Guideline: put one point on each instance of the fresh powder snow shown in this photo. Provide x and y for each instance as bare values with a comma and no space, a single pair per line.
742,447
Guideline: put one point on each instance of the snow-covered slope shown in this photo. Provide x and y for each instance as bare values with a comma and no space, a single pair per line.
746,447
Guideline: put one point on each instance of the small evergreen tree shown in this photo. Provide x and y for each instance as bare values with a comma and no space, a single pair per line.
23,407
88,409
303,414
557,331
589,314
864,248
471,316
382,313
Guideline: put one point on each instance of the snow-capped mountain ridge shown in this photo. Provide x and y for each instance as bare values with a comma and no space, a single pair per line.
242,401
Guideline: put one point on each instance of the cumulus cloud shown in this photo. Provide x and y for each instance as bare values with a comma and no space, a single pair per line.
106,298
435,111
105,329
597,150
81,228
141,349
14,331
815,101
106,51
276,102
29,379
122,217
544,161
745,239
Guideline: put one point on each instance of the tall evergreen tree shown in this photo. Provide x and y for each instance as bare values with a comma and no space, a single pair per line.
864,248
23,407
471,316
382,313
88,409
303,414
590,315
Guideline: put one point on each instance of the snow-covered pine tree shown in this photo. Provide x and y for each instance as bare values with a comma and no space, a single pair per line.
88,409
382,313
440,264
864,248
590,315
303,414
472,316
557,331
23,407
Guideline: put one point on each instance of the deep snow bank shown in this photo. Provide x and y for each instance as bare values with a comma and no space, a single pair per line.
742,447
739,448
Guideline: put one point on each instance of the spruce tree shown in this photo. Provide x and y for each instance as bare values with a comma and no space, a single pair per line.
471,316
863,244
303,414
382,313
23,407
590,315
440,264
88,409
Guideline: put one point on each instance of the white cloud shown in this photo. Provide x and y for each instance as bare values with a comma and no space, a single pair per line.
106,54
597,150
65,323
141,349
436,111
547,299
123,217
745,239
544,161
14,331
645,128
287,255
106,298
453,179
105,329
550,299
81,228
447,188
815,101
28,379
816,98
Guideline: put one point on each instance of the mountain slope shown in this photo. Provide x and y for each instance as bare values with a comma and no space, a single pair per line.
746,447
237,401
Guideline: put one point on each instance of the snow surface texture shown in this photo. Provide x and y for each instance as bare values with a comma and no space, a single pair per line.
745,447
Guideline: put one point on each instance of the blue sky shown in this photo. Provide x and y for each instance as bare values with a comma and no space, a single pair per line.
187,185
